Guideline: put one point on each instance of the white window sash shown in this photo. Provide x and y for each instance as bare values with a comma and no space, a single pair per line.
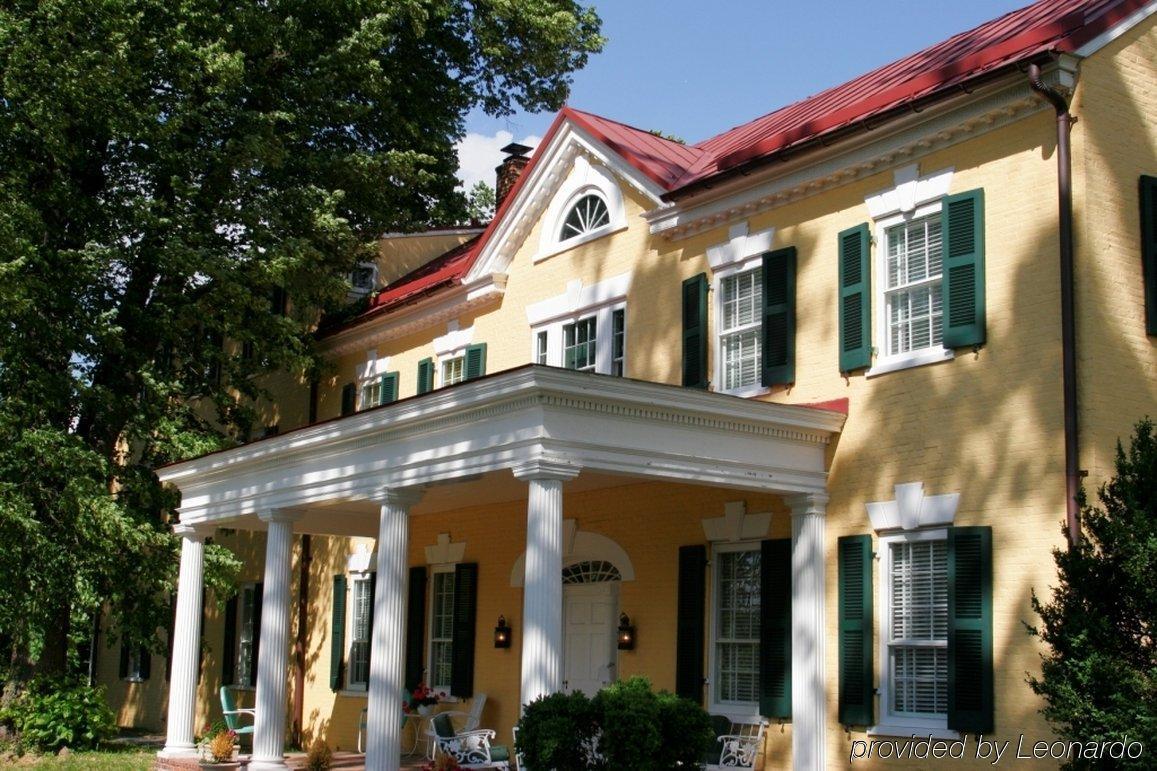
435,641
732,709
604,337
756,387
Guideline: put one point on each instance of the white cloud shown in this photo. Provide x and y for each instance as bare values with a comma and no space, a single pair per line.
478,155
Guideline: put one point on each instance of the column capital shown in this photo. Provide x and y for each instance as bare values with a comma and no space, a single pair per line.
546,467
808,503
278,515
397,496
197,532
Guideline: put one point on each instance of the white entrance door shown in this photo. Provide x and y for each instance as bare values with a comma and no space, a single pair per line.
590,623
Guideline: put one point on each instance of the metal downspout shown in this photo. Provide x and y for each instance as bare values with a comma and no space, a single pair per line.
1068,323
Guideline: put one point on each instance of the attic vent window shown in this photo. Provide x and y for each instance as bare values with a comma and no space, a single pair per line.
587,215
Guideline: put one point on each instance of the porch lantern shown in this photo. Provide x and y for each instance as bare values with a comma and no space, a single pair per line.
502,634
626,633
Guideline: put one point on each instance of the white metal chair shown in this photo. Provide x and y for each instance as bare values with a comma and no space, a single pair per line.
739,747
519,763
471,749
463,721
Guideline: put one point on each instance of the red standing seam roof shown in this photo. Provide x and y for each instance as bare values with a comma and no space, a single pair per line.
1015,38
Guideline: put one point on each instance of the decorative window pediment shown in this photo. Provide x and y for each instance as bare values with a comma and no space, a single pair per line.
912,509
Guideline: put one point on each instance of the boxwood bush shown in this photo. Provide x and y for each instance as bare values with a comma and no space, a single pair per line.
626,725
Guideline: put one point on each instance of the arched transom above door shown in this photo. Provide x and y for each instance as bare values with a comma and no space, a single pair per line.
587,558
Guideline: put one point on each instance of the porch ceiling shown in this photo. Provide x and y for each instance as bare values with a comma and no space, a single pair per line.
455,439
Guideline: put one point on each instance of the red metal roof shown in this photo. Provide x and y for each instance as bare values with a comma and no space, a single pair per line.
1015,38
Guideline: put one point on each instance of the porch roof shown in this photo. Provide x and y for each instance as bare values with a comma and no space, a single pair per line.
597,423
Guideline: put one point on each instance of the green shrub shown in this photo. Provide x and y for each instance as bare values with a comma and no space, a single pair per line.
685,732
627,724
57,713
557,732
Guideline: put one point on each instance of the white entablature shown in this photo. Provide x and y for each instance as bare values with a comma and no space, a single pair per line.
598,423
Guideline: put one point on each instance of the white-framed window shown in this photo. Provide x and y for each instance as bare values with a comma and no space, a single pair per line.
912,260
441,654
372,393
579,340
586,215
914,630
541,347
618,341
739,314
361,601
363,279
453,370
735,613
135,664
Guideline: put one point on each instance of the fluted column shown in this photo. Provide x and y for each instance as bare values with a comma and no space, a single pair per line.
542,665
186,644
808,692
273,652
388,644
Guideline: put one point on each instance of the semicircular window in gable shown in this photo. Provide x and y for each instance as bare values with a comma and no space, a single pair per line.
589,213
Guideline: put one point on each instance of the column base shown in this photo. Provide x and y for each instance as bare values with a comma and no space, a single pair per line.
267,764
178,751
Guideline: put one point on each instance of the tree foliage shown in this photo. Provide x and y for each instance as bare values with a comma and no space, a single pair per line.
1099,675
170,170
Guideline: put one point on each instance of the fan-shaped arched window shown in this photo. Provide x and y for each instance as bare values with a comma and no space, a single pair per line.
590,572
589,213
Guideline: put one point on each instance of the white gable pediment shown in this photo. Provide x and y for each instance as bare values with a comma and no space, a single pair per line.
572,161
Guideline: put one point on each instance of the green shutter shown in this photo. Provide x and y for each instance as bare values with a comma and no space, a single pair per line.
779,317
389,387
855,309
775,628
425,376
229,648
258,593
337,634
349,399
475,360
123,667
689,639
856,641
962,288
465,617
970,674
415,626
1149,250
695,331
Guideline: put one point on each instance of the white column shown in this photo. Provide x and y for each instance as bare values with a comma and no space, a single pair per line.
542,590
388,644
808,691
186,645
273,654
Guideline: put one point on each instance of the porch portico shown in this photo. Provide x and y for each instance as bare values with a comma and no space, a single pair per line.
531,432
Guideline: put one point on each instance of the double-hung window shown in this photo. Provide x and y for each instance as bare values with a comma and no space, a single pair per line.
912,269
915,627
579,344
618,341
740,323
453,370
441,630
735,676
361,629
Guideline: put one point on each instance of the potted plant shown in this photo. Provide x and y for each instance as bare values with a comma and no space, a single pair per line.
423,700
217,747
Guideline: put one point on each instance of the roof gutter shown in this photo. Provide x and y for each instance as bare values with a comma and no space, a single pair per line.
1073,473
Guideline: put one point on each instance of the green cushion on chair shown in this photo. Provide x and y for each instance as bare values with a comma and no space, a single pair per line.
498,753
443,727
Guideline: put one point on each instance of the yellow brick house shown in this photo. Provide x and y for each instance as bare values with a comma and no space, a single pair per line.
798,406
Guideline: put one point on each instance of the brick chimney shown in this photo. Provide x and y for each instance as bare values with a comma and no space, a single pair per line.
509,170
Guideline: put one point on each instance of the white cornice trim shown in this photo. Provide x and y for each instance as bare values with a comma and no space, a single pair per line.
436,309
897,143
540,188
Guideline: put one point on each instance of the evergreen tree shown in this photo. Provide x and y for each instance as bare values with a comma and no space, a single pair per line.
1099,676
170,171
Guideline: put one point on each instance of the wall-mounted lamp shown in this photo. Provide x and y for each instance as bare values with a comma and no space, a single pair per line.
502,634
626,633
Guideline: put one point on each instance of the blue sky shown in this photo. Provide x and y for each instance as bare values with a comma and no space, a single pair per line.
696,68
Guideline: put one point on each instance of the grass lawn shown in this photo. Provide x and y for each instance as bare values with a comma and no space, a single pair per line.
112,759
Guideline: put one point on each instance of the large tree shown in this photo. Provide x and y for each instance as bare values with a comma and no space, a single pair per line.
169,171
